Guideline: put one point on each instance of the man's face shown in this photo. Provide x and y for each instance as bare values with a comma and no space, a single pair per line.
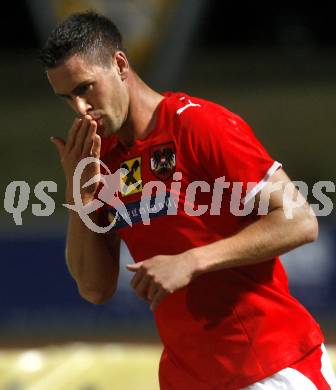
94,90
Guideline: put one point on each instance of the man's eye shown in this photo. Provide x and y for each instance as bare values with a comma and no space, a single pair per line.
83,89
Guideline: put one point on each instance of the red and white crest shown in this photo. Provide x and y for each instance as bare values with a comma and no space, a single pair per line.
163,160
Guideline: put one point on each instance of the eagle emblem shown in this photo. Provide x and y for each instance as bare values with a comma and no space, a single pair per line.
163,160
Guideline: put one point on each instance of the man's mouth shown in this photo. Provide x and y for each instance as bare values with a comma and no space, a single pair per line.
98,118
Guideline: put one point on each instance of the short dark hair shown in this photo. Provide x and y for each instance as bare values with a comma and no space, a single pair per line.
85,33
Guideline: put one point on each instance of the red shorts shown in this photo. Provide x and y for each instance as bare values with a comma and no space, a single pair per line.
312,372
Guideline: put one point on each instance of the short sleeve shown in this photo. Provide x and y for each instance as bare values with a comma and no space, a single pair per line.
225,145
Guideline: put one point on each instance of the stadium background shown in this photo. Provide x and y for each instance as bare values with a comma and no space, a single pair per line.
275,66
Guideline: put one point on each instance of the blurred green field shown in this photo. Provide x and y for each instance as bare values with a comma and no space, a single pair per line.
81,367
85,367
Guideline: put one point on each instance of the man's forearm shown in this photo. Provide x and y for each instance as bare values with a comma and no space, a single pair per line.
92,264
270,236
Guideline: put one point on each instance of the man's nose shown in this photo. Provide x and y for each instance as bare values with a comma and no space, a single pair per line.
81,105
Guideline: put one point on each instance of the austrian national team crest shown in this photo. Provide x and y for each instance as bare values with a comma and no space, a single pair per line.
163,160
130,178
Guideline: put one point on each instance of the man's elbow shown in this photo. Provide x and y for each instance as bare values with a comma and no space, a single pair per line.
97,297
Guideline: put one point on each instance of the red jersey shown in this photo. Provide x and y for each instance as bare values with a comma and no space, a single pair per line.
229,328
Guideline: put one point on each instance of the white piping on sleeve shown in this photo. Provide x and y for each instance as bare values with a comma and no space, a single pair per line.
275,166
327,369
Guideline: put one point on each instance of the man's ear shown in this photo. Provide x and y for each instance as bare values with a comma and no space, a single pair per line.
121,62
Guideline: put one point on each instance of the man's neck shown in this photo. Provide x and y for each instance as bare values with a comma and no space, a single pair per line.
141,118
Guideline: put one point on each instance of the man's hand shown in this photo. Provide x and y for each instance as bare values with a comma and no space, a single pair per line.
83,141
161,275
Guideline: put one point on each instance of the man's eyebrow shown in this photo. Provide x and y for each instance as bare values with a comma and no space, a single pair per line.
76,89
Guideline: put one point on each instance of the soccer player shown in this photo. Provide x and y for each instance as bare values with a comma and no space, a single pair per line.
210,273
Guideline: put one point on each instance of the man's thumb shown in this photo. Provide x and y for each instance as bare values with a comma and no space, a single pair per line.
59,143
134,267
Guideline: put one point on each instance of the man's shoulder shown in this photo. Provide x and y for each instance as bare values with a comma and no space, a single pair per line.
192,110
199,117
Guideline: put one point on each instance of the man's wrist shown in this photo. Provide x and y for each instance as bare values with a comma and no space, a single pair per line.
198,259
208,258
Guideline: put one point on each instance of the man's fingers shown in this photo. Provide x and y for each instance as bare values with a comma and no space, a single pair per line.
136,278
88,143
81,135
151,291
157,299
60,145
142,287
73,133
95,151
